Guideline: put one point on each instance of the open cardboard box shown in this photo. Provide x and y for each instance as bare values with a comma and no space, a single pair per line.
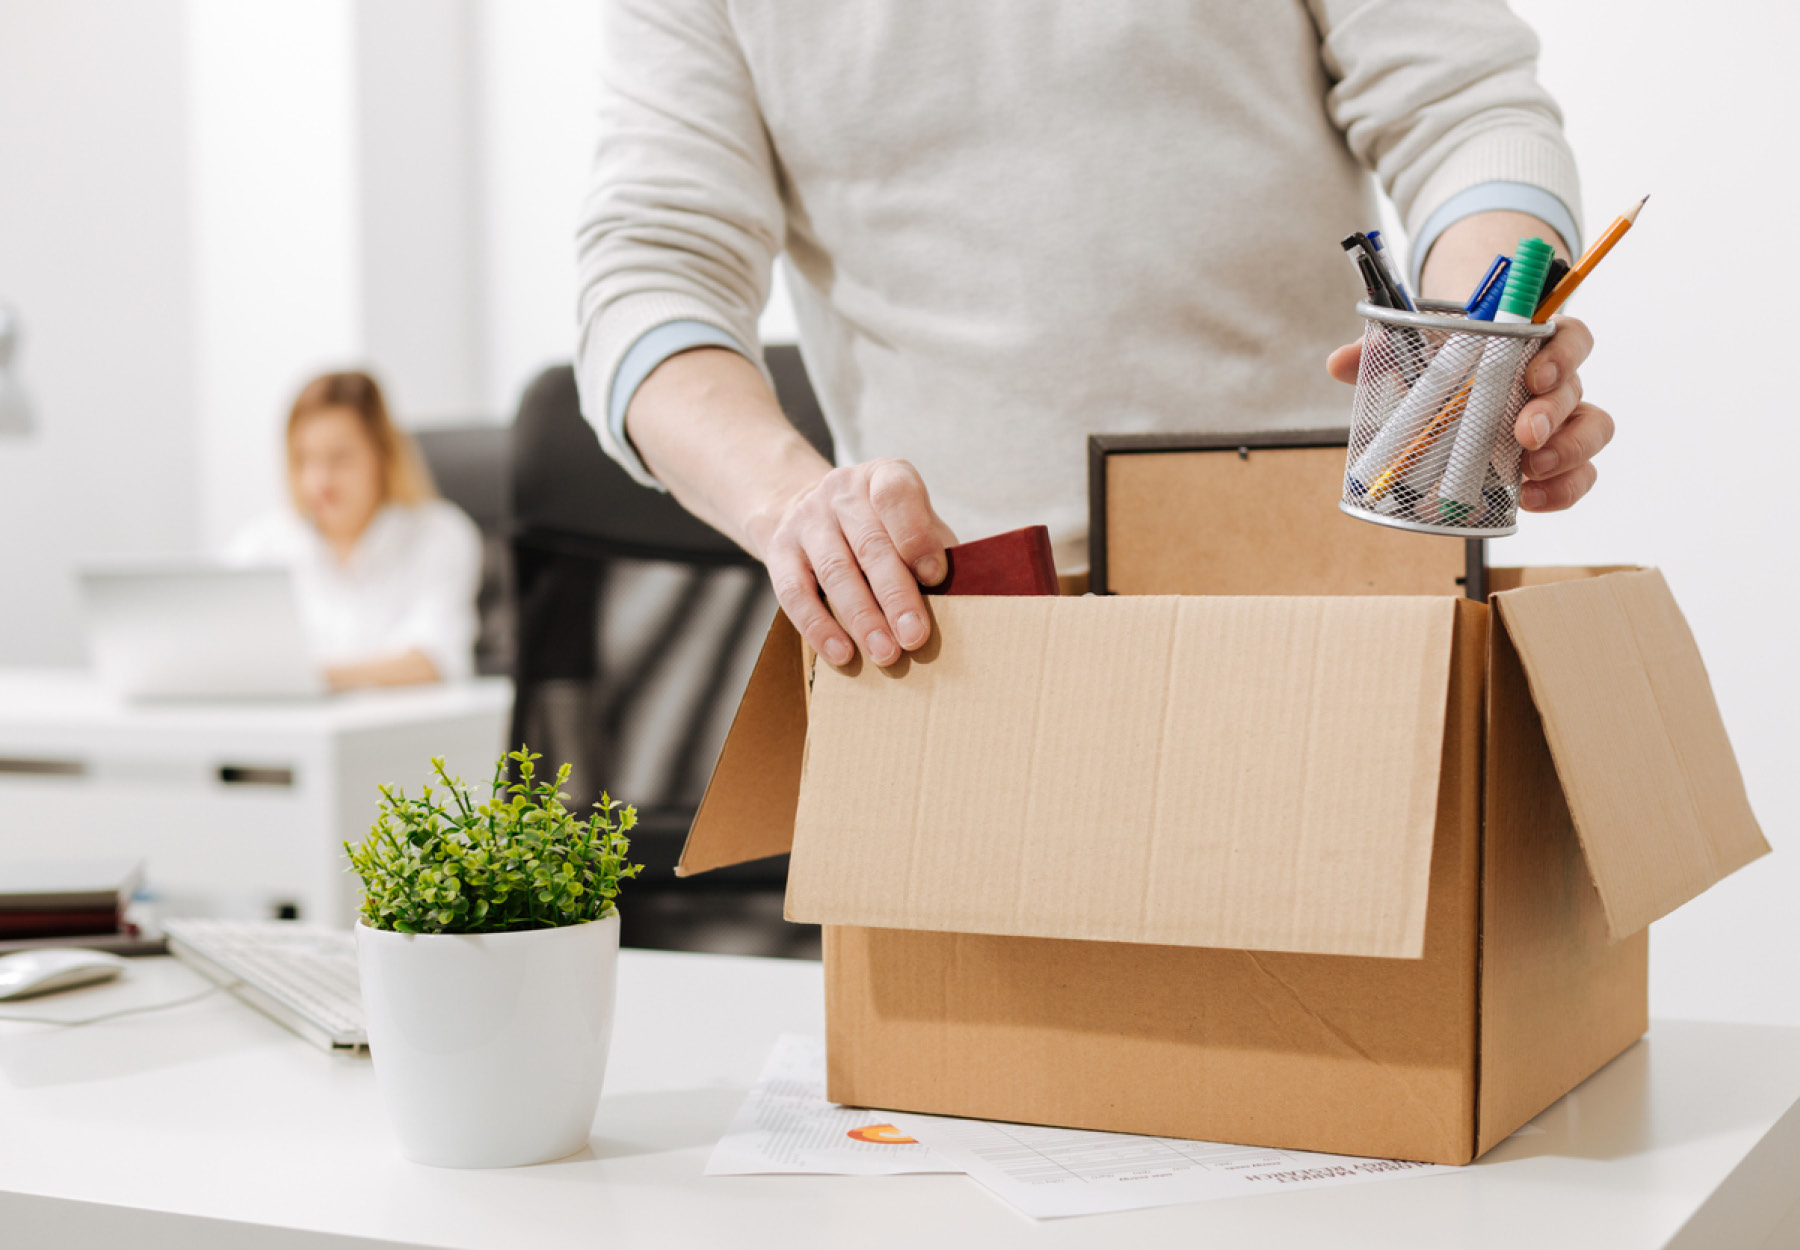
1368,875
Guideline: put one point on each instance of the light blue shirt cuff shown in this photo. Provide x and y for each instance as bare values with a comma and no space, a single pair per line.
652,348
1488,197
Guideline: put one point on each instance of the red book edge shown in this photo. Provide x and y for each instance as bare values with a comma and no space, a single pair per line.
1019,562
58,923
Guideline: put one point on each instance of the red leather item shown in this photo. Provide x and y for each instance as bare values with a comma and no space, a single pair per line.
1016,563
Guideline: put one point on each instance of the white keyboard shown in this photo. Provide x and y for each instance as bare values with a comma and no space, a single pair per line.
299,974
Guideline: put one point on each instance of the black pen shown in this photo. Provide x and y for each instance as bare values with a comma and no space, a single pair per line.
1391,271
1559,269
1359,244
1409,346
1372,283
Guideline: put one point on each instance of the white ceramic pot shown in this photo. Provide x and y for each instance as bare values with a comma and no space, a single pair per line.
490,1047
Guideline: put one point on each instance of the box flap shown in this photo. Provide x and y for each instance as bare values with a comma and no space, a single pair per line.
1255,773
1641,751
748,810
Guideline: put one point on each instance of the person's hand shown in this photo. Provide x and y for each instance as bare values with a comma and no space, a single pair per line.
1559,431
863,537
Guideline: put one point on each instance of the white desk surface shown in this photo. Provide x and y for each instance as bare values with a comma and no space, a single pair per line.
209,1126
70,698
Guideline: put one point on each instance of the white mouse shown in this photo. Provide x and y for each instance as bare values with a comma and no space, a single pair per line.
55,968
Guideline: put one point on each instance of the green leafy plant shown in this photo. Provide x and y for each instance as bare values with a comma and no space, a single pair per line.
446,862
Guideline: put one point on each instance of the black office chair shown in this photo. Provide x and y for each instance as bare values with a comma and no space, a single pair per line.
472,468
637,628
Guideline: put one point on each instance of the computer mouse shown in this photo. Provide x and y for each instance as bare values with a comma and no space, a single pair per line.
29,973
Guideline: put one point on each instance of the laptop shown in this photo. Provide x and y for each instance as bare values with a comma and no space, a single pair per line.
197,631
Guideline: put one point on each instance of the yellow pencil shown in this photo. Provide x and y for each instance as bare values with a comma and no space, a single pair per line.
1583,267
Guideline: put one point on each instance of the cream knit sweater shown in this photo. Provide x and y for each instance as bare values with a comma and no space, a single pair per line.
1013,223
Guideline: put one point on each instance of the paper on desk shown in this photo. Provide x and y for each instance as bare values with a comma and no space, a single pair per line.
786,1125
1051,1172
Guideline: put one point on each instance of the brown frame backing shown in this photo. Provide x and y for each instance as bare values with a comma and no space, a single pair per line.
1100,446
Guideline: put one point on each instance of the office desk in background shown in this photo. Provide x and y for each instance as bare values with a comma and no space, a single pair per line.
234,807
211,1128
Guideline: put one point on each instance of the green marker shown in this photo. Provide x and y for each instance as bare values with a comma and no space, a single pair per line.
1480,425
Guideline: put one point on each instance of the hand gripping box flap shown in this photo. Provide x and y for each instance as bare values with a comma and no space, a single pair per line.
1257,773
748,810
1640,750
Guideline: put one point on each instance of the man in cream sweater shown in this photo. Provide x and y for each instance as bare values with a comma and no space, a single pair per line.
1011,224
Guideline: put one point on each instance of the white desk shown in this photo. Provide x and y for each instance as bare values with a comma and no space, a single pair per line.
233,806
209,1126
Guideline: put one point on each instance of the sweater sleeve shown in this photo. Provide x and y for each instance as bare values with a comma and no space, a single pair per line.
1438,97
683,218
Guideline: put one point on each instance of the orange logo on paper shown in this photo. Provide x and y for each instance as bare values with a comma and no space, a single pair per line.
881,1135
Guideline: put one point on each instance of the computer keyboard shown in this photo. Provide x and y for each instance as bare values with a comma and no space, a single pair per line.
302,975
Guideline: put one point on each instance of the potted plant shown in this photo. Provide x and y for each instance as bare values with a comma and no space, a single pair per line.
487,945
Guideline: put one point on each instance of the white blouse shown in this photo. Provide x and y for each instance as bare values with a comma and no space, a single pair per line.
409,583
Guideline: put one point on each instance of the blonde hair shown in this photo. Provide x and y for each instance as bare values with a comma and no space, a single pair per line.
404,477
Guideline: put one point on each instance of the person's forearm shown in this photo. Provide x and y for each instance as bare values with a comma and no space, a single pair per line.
410,668
708,426
1463,252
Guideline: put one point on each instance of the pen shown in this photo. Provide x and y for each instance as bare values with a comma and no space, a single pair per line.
1414,455
1392,270
1593,256
1460,489
1426,409
1358,244
1408,345
1371,281
1559,269
1486,301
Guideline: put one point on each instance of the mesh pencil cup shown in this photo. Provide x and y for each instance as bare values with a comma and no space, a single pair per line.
1431,436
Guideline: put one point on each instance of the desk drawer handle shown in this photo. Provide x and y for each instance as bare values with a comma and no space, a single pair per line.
246,775
42,768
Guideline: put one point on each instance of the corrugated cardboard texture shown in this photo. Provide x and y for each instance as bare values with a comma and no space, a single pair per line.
1645,764
1255,773
1215,523
748,809
1500,579
1360,1056
1558,997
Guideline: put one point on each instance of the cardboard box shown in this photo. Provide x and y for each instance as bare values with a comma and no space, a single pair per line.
1368,875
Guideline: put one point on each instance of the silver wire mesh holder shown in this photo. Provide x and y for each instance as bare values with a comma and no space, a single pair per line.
1431,435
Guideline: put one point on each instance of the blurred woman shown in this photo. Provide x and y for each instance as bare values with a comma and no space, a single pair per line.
386,572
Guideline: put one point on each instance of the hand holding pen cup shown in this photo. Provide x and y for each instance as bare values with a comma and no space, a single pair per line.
1556,430
1452,397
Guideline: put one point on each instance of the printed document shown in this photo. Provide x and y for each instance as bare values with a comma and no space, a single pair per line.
785,1125
1052,1172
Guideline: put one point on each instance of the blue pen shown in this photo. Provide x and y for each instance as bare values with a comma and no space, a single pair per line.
1486,301
1393,271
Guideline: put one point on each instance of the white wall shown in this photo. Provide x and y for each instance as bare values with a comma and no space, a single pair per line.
336,222
537,69
95,220
1694,341
275,228
424,312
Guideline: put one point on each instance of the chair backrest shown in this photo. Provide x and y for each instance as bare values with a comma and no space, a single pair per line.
564,486
472,467
638,623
